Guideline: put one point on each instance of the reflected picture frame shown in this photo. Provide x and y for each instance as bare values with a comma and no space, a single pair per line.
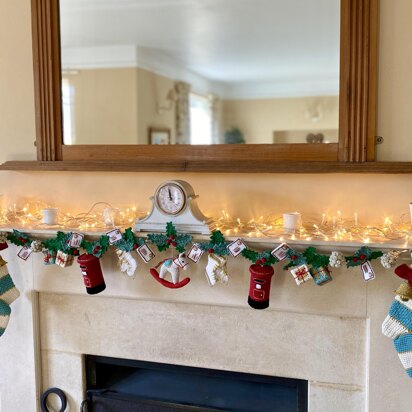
159,136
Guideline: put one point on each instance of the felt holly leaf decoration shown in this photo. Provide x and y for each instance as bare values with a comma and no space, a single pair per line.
172,238
129,241
217,237
364,254
217,244
181,242
60,242
18,238
97,248
160,241
315,259
296,259
264,259
170,229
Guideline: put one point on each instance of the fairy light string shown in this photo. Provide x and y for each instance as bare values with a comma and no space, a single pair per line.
327,228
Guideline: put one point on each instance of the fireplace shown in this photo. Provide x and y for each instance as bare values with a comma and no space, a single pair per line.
129,385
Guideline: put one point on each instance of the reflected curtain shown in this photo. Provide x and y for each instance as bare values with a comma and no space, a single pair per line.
182,112
214,110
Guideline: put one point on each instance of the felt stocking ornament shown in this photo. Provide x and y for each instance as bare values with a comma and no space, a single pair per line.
398,323
8,294
216,270
128,264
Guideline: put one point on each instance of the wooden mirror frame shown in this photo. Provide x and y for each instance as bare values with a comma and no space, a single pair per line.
357,114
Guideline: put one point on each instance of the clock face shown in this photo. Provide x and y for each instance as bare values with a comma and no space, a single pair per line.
170,199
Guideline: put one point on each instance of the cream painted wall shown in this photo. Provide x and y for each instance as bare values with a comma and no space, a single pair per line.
118,105
259,118
395,82
105,106
371,195
153,90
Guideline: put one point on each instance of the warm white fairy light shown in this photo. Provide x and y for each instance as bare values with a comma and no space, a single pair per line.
30,216
336,228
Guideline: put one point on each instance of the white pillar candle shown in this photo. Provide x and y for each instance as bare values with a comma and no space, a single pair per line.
50,216
292,221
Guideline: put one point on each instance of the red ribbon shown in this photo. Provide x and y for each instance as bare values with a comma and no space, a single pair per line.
300,273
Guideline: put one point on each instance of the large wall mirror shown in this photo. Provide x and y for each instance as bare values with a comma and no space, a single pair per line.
210,72
205,85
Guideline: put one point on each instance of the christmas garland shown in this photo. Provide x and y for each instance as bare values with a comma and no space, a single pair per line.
217,246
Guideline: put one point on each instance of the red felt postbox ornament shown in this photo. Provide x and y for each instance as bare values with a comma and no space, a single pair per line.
259,290
92,273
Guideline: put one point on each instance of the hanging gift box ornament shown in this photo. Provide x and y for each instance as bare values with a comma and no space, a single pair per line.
216,270
3,240
49,257
259,289
172,267
127,262
63,259
92,273
321,275
301,274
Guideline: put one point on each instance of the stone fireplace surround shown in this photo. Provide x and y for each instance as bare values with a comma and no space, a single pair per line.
327,335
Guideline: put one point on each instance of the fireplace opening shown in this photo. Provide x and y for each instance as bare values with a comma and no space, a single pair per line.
127,385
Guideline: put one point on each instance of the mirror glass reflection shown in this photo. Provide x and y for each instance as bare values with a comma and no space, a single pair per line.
200,71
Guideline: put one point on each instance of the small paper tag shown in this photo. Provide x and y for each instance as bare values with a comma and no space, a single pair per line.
24,253
145,253
281,252
368,272
114,236
195,253
76,240
235,248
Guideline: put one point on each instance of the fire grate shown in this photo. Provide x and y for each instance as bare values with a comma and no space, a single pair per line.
119,385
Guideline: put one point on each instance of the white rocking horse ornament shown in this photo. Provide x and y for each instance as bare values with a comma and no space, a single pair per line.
171,266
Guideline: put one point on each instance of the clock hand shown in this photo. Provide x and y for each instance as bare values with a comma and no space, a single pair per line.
170,195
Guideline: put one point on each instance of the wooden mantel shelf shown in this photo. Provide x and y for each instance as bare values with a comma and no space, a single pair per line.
214,167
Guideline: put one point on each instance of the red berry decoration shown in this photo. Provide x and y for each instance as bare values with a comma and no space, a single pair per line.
172,237
169,241
362,257
355,259
75,252
294,257
96,249
174,244
211,250
135,246
263,260
258,262
23,240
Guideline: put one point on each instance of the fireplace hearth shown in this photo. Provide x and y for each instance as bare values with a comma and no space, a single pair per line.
119,385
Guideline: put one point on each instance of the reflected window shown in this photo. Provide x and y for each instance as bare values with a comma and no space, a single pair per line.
68,111
201,119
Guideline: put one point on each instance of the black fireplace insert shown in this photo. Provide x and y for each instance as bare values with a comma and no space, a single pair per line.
120,385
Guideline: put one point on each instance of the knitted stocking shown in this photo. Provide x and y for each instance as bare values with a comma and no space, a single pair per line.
4,316
398,325
8,294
